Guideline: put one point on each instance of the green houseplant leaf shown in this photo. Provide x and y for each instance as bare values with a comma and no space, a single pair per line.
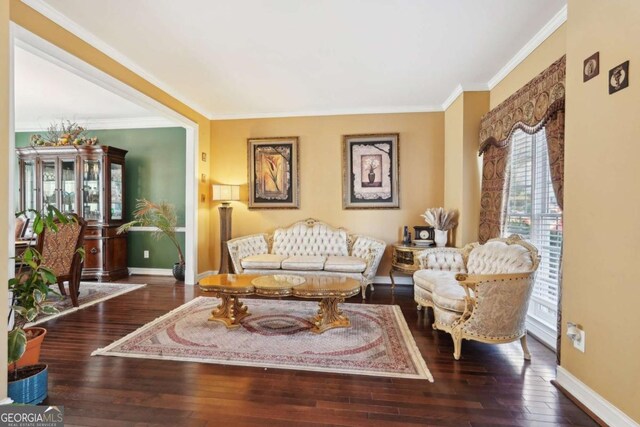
162,216
17,345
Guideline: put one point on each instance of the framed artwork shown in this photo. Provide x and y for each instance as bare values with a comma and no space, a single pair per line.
370,171
274,181
591,67
619,77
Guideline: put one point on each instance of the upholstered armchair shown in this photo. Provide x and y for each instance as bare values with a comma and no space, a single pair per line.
22,224
479,292
60,254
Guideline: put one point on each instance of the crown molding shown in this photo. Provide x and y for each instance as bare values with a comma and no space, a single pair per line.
101,124
458,90
553,24
337,112
81,32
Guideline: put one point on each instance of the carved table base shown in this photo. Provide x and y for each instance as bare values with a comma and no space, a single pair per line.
230,311
329,316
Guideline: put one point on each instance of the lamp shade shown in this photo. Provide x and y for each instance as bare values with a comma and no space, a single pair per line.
226,193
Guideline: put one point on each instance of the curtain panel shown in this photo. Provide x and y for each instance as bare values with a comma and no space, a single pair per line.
538,104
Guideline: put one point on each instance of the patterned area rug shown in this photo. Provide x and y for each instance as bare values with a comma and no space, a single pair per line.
90,293
277,335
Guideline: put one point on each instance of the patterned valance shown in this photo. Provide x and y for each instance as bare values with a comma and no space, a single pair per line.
528,109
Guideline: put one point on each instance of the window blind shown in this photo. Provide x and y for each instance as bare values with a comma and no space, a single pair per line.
533,212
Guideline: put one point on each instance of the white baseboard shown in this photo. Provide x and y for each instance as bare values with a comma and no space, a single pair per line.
205,274
386,280
592,400
151,271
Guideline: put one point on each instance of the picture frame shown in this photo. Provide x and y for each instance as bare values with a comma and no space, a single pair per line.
274,179
591,67
370,171
619,78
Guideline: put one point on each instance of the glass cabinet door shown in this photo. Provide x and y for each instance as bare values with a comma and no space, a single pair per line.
68,185
29,185
49,183
92,190
116,191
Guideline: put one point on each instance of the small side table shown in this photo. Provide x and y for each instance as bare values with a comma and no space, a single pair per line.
405,260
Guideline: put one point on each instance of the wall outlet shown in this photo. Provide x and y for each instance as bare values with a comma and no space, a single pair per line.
577,336
579,341
146,254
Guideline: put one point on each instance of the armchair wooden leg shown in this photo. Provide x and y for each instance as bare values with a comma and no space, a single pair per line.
525,349
457,348
73,292
363,287
63,292
457,343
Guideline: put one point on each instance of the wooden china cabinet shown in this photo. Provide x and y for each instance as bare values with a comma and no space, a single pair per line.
87,180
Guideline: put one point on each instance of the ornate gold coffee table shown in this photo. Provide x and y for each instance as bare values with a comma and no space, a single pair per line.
330,290
228,287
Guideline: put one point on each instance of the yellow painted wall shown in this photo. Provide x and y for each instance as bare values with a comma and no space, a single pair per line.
36,23
543,56
476,104
602,202
421,171
5,185
462,164
454,164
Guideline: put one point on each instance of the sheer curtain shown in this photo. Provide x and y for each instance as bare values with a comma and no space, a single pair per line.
532,210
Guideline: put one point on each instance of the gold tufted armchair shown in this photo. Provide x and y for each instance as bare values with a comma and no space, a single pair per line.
479,292
60,254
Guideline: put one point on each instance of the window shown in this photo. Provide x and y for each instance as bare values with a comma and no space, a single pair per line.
533,212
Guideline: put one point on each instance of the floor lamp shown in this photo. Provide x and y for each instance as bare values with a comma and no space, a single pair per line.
225,194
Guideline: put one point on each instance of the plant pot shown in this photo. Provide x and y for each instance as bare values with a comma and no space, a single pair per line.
32,354
441,237
31,387
178,271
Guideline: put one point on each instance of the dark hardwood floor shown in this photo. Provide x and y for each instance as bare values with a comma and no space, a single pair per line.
490,386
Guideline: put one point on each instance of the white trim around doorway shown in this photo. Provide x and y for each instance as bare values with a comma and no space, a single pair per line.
48,51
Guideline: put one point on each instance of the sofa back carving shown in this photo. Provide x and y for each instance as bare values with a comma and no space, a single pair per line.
310,238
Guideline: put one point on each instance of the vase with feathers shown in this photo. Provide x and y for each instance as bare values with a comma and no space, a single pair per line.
442,220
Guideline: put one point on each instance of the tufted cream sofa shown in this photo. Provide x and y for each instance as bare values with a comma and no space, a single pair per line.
479,292
309,247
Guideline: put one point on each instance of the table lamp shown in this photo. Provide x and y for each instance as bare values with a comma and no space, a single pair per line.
225,194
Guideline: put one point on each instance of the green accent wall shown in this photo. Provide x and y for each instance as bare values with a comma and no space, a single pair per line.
155,170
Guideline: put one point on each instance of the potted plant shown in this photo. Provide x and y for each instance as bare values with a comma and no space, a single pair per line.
442,220
30,288
161,216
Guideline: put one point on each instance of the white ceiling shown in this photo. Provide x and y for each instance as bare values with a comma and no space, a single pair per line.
252,58
45,93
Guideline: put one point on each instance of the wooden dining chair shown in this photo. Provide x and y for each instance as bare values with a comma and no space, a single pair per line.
60,254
